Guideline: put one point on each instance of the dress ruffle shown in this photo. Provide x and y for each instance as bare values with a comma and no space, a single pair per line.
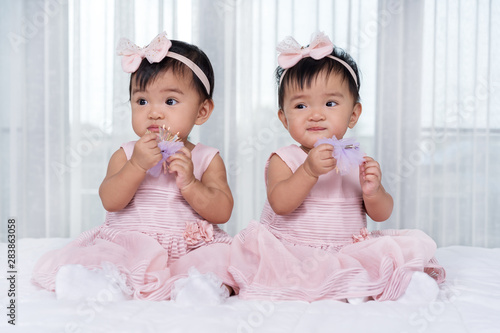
264,267
152,241
144,259
322,249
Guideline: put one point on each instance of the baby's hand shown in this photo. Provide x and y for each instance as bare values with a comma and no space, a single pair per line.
370,176
320,160
182,165
146,153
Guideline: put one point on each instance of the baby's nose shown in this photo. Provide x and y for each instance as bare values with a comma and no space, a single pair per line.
317,114
155,114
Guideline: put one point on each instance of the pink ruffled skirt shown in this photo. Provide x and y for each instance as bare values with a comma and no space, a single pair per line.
151,262
267,267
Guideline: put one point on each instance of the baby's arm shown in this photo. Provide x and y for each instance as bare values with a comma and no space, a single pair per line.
124,176
378,203
286,190
210,197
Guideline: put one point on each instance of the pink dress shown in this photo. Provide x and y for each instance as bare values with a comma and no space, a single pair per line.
146,240
310,254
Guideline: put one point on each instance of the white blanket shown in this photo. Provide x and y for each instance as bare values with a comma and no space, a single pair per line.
469,301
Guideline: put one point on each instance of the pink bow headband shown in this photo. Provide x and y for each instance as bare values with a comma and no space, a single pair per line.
155,52
291,53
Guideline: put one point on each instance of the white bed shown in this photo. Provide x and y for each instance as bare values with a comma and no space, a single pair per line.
469,302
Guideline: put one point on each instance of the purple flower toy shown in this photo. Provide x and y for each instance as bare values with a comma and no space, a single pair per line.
346,152
169,144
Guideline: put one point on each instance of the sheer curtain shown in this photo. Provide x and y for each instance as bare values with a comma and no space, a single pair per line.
430,107
438,121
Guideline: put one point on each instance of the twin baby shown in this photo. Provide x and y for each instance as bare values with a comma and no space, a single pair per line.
165,195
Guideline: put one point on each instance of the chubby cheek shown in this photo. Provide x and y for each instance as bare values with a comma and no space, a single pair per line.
184,130
294,121
138,125
298,134
291,124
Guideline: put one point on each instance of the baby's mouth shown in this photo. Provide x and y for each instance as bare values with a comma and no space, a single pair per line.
154,128
316,129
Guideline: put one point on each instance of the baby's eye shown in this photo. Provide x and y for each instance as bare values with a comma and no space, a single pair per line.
300,106
171,101
142,101
330,103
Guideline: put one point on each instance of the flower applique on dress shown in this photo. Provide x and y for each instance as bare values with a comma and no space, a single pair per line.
364,234
198,230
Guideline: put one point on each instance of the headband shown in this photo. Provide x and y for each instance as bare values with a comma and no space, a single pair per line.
320,47
155,52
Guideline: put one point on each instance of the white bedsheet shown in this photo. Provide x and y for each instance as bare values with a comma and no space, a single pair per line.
469,302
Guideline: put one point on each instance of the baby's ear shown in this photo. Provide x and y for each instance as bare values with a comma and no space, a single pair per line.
205,111
356,112
282,116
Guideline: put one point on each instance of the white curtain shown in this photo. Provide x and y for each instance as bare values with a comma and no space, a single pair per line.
429,90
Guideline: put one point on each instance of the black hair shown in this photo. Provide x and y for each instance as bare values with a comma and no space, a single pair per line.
308,69
148,72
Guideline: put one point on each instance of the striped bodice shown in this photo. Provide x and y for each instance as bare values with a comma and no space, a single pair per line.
158,206
154,210
329,216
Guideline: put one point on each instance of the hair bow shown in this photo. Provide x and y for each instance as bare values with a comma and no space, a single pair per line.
291,52
133,54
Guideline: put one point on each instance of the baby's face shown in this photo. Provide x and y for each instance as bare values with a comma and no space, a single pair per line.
324,109
170,100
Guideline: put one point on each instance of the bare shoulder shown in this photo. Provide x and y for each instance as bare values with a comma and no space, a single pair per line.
277,170
215,177
116,162
215,172
216,163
